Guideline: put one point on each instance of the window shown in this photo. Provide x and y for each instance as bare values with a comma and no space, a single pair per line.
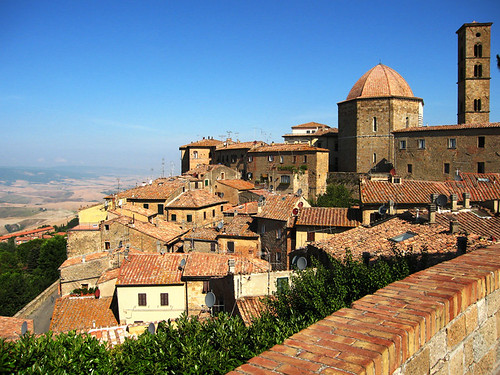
478,50
402,145
270,158
407,122
85,286
477,105
206,182
189,218
107,245
263,229
206,286
421,144
278,257
452,143
141,297
285,179
204,215
106,226
164,299
281,283
319,144
374,124
233,158
160,209
212,247
249,175
196,185
402,237
478,70
222,208
250,158
480,167
447,168
230,247
195,154
480,142
173,217
311,236
374,157
145,205
281,159
409,168
222,176
279,233
213,213
305,158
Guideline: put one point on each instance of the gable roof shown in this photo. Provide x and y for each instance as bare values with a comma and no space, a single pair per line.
237,184
239,145
81,313
279,207
195,199
247,208
250,308
217,265
238,226
159,189
329,217
287,147
205,142
311,125
477,221
151,269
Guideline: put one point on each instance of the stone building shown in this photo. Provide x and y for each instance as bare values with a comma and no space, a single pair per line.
234,155
474,73
380,102
198,153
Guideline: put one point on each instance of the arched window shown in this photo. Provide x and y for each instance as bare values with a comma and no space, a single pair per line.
478,50
407,122
374,124
478,70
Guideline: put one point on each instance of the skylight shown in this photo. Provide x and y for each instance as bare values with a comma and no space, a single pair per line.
402,237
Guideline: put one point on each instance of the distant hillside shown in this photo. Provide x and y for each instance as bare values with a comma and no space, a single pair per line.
9,175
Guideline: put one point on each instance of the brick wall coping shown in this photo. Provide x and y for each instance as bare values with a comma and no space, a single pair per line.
382,330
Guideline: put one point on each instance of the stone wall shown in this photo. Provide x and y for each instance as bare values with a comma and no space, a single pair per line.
83,242
443,320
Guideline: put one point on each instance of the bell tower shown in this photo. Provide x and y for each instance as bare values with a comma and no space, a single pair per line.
474,73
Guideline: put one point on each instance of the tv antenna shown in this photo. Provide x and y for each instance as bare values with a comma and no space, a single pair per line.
162,167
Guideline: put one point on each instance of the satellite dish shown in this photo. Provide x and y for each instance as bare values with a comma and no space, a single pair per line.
299,192
262,199
382,210
220,226
393,172
24,328
295,211
441,200
221,195
301,263
210,299
151,328
301,204
182,263
457,176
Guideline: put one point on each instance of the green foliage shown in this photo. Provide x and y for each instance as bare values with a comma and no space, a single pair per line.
69,225
336,196
84,291
291,168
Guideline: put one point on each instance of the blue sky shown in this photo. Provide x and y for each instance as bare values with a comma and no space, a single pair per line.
125,83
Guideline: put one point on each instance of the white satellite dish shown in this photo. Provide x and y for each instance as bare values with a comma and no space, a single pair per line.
151,328
301,263
382,210
24,328
210,299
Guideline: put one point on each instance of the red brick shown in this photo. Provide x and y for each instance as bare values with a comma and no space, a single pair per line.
263,362
310,366
251,369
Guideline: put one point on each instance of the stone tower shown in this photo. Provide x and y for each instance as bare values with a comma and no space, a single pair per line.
380,102
474,73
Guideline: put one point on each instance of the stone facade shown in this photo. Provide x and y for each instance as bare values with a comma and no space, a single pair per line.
437,153
85,272
83,242
474,73
197,153
276,241
191,218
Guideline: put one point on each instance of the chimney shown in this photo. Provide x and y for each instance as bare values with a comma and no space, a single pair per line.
391,207
432,213
434,197
231,265
466,197
454,202
454,226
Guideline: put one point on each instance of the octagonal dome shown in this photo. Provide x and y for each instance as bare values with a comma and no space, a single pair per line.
380,81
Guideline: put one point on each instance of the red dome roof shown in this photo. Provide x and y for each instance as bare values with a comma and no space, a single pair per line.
380,81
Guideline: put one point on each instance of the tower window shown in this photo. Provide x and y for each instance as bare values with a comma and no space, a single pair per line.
421,144
374,124
478,70
478,50
447,168
480,167
477,105
452,143
270,157
480,142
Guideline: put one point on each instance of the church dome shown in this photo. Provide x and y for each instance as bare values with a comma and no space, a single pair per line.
380,81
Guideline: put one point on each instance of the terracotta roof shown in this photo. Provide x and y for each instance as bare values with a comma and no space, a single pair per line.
109,275
279,207
10,328
208,234
380,81
26,233
476,220
238,226
161,188
217,265
248,208
151,269
376,240
310,125
449,127
250,308
165,231
81,313
85,227
136,208
79,259
237,184
288,147
239,145
481,187
111,336
329,217
210,142
195,199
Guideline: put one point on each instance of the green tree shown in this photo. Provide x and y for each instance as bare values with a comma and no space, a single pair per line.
336,196
52,255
